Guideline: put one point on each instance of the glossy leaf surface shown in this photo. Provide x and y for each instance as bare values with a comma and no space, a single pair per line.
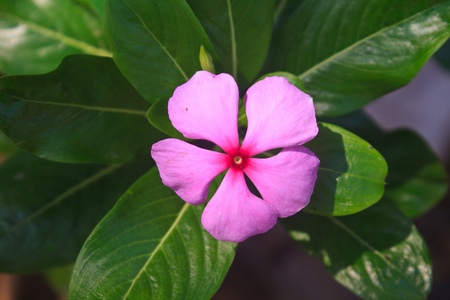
351,172
84,111
37,35
377,253
48,209
230,25
348,53
156,43
416,180
151,245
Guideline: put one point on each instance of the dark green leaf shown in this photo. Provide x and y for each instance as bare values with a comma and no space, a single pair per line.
150,246
158,116
36,35
48,209
443,55
377,253
348,52
156,43
416,180
231,26
7,148
59,278
351,172
84,111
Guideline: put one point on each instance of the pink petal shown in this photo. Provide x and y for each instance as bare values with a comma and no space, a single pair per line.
206,107
187,169
279,115
234,213
285,180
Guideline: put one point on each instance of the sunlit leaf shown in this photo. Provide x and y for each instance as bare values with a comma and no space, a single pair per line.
349,53
37,35
151,245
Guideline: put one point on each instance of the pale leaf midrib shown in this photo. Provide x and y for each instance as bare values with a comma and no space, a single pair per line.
233,41
371,248
157,248
157,41
352,175
60,198
83,46
85,107
357,43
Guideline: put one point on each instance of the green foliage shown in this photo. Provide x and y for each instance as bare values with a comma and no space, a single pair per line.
377,254
87,109
230,25
351,172
151,245
37,35
48,209
349,53
155,43
84,111
416,180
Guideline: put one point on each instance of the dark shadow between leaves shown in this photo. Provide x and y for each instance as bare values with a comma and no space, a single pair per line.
329,148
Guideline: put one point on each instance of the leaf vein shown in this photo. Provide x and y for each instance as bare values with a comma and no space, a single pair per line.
70,41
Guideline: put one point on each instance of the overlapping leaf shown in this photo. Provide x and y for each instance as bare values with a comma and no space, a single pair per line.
48,209
151,246
351,172
348,53
36,35
231,25
156,43
84,111
417,179
377,253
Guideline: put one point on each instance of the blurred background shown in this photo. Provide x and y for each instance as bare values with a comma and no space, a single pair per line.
273,266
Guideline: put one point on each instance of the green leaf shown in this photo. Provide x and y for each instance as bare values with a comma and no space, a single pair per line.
84,111
293,79
377,253
37,35
156,43
231,26
416,180
7,148
158,116
351,172
48,209
151,245
94,6
348,53
59,278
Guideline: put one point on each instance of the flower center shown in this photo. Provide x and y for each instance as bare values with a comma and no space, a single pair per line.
238,160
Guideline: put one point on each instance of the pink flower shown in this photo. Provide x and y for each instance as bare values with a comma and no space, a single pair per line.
279,116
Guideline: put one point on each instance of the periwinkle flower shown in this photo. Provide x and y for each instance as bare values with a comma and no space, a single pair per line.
279,116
